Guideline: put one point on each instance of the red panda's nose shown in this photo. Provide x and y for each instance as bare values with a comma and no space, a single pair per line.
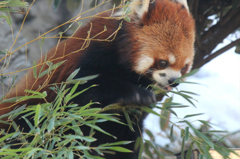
172,83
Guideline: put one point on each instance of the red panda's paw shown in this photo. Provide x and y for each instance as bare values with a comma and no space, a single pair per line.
139,97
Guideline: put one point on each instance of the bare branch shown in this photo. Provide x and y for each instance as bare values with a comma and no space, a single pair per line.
228,19
217,53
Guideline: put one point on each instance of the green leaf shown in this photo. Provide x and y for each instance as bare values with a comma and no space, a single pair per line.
139,145
200,135
186,133
85,138
14,3
7,18
73,74
149,110
11,100
82,80
82,147
41,43
160,155
51,124
116,143
127,19
147,150
14,113
34,70
164,122
37,115
3,52
70,155
6,137
191,115
38,96
51,68
149,133
99,129
128,121
182,148
189,152
171,133
192,93
116,148
189,74
205,123
17,150
206,152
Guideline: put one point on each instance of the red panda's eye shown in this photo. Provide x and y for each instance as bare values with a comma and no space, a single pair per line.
163,63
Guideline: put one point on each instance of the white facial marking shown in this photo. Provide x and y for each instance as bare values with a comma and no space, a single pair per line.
144,63
139,6
184,3
171,59
169,74
188,61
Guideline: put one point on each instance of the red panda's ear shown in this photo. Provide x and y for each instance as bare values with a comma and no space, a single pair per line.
183,2
139,7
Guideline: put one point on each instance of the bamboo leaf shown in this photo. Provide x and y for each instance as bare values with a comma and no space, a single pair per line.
37,115
73,74
186,133
116,148
127,19
171,133
205,123
164,122
128,121
85,138
51,68
51,123
82,80
182,148
82,147
5,137
189,152
149,133
191,115
160,155
11,100
189,74
70,155
200,135
41,43
116,143
99,129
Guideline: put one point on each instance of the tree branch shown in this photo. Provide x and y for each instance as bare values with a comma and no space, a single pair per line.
226,20
215,54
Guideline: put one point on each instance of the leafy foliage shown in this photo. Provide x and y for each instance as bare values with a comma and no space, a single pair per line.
7,7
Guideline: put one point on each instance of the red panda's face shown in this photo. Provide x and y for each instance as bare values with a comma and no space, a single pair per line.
166,45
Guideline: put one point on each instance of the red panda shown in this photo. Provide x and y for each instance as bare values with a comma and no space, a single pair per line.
155,47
